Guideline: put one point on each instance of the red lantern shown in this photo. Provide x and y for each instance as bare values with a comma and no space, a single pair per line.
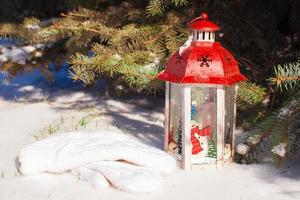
200,99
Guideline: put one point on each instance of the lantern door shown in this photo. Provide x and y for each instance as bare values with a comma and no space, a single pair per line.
230,112
174,123
199,123
203,125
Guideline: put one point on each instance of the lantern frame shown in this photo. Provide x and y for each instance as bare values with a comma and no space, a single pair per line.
184,161
201,63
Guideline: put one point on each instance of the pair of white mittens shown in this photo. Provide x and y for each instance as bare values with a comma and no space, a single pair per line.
124,176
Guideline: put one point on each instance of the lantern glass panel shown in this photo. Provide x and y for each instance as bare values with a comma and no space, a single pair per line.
229,119
175,122
203,125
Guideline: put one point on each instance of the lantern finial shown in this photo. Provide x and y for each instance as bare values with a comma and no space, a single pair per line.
202,23
204,16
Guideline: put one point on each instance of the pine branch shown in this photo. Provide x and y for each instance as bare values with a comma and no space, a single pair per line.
81,13
287,77
250,95
158,7
8,30
179,3
277,135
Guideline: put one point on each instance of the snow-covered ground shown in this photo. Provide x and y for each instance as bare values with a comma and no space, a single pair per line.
28,104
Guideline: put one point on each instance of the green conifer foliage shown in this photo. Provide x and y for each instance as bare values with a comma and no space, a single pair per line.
250,95
158,7
277,136
287,76
133,48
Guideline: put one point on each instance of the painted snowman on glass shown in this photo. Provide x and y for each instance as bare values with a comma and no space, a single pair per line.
200,99
202,140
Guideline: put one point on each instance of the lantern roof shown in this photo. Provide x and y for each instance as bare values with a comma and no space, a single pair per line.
202,23
203,61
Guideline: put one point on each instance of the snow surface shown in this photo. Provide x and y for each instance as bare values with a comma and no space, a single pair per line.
18,121
142,120
17,54
250,182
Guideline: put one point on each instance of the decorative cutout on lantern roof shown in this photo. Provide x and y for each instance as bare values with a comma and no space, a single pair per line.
204,61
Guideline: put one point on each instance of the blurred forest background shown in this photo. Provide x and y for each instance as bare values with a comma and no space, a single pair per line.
126,43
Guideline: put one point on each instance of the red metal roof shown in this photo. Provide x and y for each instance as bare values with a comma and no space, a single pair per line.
202,62
202,23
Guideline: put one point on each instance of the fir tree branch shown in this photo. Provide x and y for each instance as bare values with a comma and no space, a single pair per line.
277,132
287,77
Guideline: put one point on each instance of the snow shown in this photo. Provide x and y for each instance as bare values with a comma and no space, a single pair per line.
254,139
141,120
17,54
31,86
242,149
235,182
186,44
279,149
33,27
18,121
14,51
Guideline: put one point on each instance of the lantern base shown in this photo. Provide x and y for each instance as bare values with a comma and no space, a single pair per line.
217,165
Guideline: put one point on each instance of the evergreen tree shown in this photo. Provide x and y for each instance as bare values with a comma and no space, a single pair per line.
277,134
131,50
212,150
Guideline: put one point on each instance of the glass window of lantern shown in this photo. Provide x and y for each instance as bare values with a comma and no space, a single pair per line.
203,125
229,117
175,121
